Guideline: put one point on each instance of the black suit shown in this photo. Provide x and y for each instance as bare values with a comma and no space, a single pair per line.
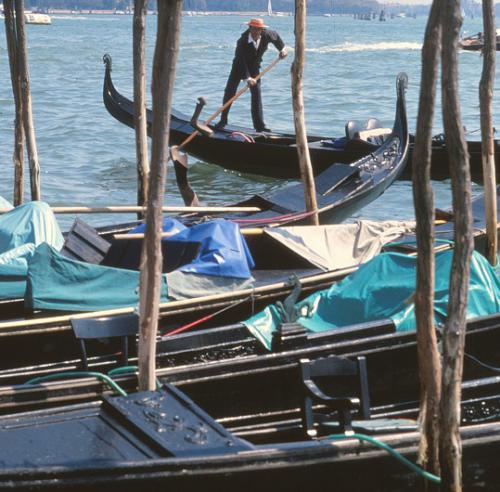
246,63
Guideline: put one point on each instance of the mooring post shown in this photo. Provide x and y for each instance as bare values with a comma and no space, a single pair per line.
18,154
164,61
429,359
306,172
140,122
486,87
29,129
450,448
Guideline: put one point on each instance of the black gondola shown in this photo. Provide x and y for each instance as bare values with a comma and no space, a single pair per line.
275,154
158,440
43,334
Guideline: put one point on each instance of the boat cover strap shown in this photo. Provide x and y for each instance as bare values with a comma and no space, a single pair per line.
384,288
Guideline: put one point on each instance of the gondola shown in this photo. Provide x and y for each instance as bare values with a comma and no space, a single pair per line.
341,189
44,335
162,439
275,154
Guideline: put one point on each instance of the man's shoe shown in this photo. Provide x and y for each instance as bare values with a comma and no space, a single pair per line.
220,125
264,129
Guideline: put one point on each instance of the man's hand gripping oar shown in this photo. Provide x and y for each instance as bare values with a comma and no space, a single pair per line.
180,158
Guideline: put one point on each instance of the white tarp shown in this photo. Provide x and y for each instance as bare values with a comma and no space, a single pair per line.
333,247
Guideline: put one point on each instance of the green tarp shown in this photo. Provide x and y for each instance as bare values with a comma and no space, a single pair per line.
384,288
59,283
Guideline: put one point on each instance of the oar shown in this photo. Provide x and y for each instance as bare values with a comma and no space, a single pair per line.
175,151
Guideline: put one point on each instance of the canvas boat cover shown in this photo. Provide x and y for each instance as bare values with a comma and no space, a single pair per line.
21,230
380,289
59,283
31,267
333,247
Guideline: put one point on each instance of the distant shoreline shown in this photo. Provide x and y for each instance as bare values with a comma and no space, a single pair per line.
188,13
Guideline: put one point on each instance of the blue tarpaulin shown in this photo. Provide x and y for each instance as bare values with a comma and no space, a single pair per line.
223,250
384,288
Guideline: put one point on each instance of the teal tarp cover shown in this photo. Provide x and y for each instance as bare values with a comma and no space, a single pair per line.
384,288
59,283
21,230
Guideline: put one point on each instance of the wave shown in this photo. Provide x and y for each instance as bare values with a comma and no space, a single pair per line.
383,46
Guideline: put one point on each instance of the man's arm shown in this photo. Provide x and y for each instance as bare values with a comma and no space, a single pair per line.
275,38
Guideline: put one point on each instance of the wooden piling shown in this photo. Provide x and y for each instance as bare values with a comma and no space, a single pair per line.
454,332
429,360
164,60
486,87
18,154
29,129
140,122
306,172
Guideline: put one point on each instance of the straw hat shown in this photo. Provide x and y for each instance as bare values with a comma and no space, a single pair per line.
259,23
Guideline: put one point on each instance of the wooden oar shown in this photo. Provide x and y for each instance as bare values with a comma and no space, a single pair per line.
255,231
134,209
175,151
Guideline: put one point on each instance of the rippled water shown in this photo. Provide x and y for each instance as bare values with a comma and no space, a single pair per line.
89,158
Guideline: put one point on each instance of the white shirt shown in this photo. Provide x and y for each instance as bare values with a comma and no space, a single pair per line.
255,43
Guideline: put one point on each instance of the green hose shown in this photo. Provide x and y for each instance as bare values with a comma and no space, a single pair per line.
391,451
128,369
79,374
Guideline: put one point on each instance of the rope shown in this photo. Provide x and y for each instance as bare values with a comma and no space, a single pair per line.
206,318
382,445
481,363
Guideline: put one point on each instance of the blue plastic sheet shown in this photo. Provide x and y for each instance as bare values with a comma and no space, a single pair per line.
223,250
59,283
384,288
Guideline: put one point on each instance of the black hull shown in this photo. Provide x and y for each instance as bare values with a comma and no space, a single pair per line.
112,446
276,157
303,468
44,336
229,374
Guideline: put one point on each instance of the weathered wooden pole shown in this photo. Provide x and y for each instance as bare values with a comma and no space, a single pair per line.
429,359
140,123
164,60
486,87
450,449
29,130
306,172
18,154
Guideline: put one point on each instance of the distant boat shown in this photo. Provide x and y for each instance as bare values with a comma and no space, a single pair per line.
269,8
36,18
476,42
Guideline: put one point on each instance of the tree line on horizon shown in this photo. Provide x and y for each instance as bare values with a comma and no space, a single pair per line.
314,6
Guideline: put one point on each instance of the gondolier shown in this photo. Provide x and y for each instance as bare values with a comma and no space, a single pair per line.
250,48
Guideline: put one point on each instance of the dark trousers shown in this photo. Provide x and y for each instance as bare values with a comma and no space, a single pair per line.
257,112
